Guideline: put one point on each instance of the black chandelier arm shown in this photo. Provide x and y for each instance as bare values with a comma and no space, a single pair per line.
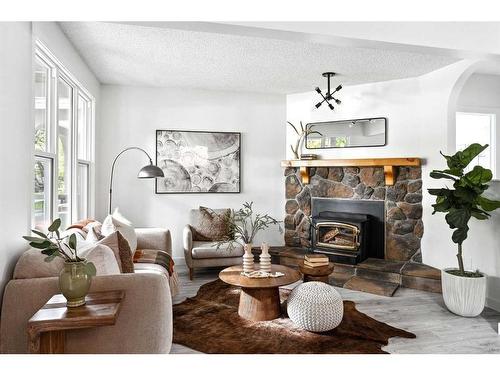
113,170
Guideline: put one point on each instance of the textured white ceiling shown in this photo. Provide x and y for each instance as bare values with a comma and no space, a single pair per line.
128,54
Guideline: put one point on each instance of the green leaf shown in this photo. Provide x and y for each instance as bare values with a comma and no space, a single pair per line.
465,194
478,175
454,171
458,217
488,204
72,241
463,158
479,214
55,225
41,234
41,245
50,258
34,239
439,192
460,235
440,174
49,251
90,269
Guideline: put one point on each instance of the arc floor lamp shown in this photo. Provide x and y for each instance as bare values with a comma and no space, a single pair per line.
148,171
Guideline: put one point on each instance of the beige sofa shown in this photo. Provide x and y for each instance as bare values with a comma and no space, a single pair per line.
205,253
144,324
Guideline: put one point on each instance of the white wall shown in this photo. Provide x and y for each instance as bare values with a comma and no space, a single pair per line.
419,120
130,116
481,93
15,142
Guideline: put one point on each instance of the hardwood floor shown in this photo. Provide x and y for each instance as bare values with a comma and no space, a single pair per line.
423,313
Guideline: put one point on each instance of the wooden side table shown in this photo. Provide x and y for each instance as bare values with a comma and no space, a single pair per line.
316,273
47,328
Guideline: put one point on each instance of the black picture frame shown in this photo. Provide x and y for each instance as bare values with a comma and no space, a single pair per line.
237,153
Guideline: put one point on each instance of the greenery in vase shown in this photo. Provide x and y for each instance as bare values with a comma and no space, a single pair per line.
465,200
53,245
243,225
302,134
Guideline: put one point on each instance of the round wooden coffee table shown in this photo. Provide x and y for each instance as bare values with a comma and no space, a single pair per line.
259,298
316,273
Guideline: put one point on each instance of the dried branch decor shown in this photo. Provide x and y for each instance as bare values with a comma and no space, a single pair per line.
301,136
243,225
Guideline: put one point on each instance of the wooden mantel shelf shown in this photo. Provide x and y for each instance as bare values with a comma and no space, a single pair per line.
387,163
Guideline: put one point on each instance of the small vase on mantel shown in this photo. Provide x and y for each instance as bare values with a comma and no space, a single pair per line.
247,258
265,258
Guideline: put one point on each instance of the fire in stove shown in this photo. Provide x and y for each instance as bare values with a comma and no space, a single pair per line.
337,235
341,236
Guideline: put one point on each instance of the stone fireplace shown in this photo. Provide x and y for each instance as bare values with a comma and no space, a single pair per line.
402,204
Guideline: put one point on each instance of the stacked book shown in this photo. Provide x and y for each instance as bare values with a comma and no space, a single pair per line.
315,260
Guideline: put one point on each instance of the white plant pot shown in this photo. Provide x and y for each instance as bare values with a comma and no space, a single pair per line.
463,296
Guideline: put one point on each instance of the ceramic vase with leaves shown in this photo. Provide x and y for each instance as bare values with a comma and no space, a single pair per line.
76,276
243,225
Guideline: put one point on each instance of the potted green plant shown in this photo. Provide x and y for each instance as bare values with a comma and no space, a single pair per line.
243,225
464,291
76,276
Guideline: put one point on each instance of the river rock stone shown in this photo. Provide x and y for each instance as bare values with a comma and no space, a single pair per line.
351,170
289,222
414,186
397,192
298,217
395,213
413,198
403,226
304,201
414,173
419,229
319,186
291,206
411,210
335,174
401,247
292,186
339,190
368,192
402,174
350,180
290,170
291,238
379,194
322,172
372,177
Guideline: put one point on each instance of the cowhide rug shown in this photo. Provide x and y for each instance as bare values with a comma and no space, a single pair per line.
210,323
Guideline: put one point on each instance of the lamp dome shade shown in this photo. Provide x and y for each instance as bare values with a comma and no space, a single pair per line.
150,171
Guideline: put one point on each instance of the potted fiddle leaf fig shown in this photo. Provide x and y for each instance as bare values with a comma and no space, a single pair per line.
464,291
76,276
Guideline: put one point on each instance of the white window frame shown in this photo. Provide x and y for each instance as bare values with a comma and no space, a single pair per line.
57,72
493,147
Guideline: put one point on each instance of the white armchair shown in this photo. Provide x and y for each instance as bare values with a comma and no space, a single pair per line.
205,253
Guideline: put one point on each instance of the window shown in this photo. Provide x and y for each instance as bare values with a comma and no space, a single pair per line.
477,128
63,115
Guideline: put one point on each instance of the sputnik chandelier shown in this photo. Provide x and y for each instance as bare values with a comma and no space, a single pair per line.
328,97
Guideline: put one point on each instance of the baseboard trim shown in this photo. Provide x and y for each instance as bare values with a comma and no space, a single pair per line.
493,303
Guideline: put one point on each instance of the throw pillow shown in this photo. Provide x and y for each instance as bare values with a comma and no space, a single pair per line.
32,264
121,250
212,225
116,222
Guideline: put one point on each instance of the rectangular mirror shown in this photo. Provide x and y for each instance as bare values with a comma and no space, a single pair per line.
347,133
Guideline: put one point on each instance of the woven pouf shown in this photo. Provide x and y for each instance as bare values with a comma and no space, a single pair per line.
315,306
